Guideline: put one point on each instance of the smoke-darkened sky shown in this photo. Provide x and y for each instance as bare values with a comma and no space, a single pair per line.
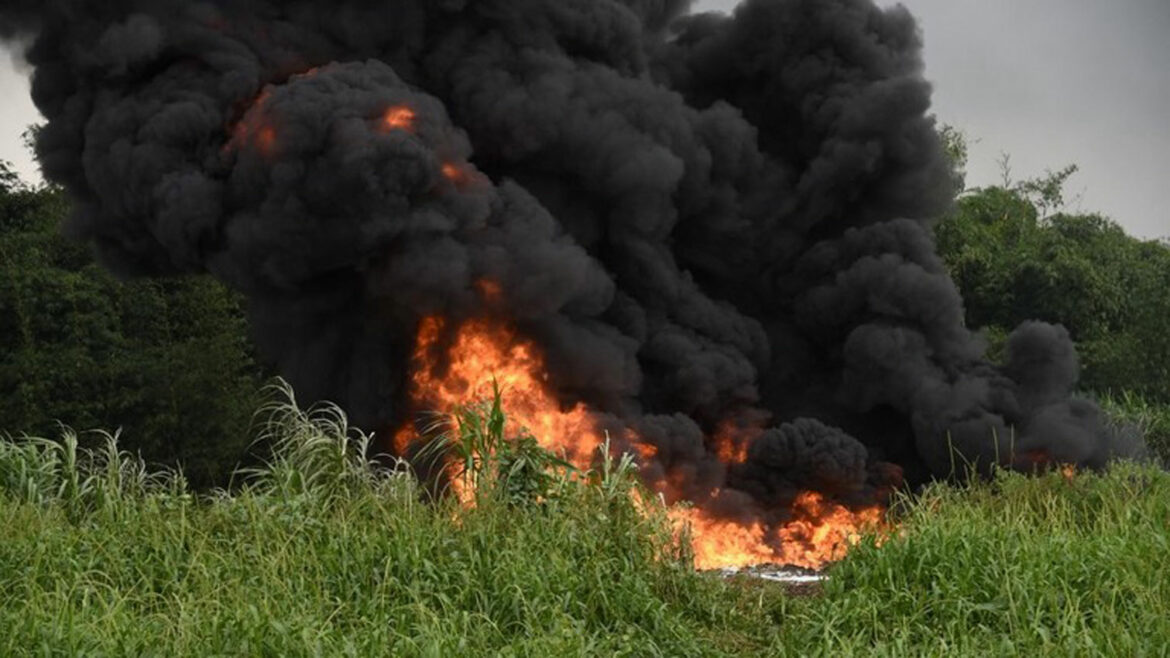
1056,82
1051,82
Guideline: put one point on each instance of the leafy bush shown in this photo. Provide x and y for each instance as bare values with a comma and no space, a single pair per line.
1013,263
491,466
166,360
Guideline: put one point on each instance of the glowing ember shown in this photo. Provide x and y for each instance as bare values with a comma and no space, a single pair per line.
455,365
399,117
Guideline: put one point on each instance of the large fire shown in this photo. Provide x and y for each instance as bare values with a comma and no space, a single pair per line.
483,354
452,365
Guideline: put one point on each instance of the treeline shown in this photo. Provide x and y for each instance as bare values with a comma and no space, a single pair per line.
1013,262
168,360
165,360
1018,254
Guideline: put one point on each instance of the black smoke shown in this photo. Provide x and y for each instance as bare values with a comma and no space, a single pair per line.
702,219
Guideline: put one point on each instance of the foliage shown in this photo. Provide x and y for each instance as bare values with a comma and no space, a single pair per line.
1013,262
1152,419
82,481
954,144
166,359
9,180
315,452
322,552
348,560
513,470
1046,192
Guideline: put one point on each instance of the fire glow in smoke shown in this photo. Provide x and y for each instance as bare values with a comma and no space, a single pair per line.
707,235
399,117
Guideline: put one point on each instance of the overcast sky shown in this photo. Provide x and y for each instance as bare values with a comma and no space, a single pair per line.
1050,82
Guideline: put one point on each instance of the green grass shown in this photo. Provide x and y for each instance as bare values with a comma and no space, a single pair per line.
1151,418
317,553
1017,566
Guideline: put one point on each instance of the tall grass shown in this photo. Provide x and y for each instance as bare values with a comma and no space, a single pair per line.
1151,418
323,552
1037,566
319,553
79,480
489,466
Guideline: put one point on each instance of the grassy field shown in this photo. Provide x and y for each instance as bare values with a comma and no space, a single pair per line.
318,555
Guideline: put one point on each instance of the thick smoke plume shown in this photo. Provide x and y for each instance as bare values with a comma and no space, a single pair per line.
704,221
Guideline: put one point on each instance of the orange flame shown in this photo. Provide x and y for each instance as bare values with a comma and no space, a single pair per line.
453,365
482,353
399,117
719,543
732,439
819,532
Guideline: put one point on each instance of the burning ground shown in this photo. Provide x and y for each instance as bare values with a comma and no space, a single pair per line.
707,236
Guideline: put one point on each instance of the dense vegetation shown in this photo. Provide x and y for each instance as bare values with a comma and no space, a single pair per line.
166,360
1017,254
319,554
1081,270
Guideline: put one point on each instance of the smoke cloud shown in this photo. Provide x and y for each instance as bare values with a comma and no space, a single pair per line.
701,219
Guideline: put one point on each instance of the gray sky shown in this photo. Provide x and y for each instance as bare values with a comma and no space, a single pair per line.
1051,82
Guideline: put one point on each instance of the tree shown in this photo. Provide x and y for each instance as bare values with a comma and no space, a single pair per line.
1014,261
166,360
